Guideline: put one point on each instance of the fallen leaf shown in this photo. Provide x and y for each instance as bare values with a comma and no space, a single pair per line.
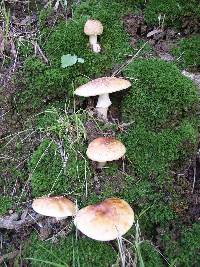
151,33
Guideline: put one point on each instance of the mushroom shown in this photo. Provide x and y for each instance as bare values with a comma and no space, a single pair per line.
104,149
59,207
93,28
102,87
106,220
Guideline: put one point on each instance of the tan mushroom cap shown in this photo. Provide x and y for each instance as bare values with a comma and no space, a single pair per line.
93,27
100,86
58,206
105,221
104,149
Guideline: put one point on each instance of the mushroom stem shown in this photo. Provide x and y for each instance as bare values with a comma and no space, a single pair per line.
100,165
93,39
96,48
102,106
102,113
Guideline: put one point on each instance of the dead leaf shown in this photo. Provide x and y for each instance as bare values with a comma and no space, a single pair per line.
151,33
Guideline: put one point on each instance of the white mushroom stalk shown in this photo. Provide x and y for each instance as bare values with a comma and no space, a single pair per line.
100,165
102,106
96,48
93,39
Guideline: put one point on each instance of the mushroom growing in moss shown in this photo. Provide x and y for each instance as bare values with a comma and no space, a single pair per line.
93,28
105,221
59,207
102,87
103,149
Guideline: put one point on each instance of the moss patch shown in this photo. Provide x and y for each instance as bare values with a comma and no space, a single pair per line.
71,252
160,96
153,153
5,204
55,171
184,251
187,51
162,105
173,10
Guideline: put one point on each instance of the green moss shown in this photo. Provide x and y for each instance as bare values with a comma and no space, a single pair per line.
42,82
152,201
162,103
150,256
174,10
187,51
160,96
5,204
153,153
185,250
110,169
71,252
50,172
50,175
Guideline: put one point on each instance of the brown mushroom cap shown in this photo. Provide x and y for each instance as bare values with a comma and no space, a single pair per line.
100,86
104,149
106,220
54,206
93,27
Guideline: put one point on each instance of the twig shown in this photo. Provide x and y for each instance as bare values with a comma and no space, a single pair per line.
8,222
128,62
194,176
37,48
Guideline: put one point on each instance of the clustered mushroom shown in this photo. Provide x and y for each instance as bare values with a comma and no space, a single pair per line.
113,217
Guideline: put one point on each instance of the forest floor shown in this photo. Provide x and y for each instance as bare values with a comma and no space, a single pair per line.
19,138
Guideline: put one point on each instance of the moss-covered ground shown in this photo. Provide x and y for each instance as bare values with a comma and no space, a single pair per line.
156,120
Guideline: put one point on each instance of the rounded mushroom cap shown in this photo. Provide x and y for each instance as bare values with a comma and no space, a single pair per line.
104,149
59,207
105,221
93,27
100,86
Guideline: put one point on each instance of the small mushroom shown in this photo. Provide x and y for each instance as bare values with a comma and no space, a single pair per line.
59,207
103,149
105,221
102,87
93,28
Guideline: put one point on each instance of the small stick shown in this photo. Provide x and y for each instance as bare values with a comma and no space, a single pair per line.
194,176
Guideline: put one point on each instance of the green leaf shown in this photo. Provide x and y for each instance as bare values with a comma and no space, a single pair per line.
80,60
68,60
